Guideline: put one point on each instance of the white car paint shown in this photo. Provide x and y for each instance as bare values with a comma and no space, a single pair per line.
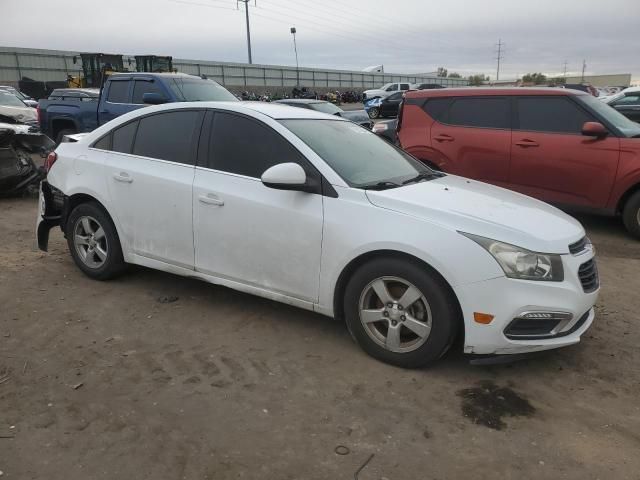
384,92
292,246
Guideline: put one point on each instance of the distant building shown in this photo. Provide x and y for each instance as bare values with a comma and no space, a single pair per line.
613,80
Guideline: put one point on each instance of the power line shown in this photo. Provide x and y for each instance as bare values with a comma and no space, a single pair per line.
499,57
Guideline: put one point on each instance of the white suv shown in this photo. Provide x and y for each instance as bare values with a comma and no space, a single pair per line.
385,90
315,211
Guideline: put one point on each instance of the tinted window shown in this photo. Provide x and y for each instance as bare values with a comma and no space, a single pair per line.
141,87
395,96
479,112
168,136
194,89
550,114
631,99
393,88
123,138
104,143
404,86
437,107
246,147
118,92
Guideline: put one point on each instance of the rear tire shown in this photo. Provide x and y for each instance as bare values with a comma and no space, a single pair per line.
631,214
417,322
93,242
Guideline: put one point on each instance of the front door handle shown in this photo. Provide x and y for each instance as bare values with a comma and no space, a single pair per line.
210,199
122,177
527,143
443,138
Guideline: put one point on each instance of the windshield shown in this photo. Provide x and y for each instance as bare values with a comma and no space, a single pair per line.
199,90
360,157
622,123
10,100
326,107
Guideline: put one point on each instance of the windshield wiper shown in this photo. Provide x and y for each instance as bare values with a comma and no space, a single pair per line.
380,185
422,176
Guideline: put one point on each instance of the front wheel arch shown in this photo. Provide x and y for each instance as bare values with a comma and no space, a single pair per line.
354,264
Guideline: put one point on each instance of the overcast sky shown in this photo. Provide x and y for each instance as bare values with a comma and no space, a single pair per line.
409,36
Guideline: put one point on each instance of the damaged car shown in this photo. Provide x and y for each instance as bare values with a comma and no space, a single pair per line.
20,137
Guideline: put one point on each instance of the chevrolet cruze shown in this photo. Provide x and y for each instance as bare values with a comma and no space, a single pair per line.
317,212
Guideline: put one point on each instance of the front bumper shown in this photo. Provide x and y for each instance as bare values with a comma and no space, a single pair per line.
508,299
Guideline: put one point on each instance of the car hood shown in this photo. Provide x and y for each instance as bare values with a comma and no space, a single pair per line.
482,209
355,115
19,114
374,91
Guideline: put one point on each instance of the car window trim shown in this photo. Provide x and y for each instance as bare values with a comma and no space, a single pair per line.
129,91
453,99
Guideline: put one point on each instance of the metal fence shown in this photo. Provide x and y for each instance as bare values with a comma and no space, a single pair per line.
26,64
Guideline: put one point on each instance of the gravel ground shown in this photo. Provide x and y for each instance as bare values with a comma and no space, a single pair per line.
153,376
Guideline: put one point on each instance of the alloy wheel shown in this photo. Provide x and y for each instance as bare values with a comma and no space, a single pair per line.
395,314
90,242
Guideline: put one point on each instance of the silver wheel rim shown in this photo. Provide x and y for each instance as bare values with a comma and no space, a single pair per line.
90,242
395,314
373,113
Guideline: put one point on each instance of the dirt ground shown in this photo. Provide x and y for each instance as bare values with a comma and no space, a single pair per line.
154,376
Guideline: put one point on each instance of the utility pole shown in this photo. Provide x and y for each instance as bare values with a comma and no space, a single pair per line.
295,48
499,57
584,67
564,69
246,14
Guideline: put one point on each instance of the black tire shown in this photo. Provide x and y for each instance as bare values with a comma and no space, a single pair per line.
62,133
631,214
445,316
113,263
374,112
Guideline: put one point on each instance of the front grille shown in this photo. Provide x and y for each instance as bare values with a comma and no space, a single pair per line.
579,246
588,274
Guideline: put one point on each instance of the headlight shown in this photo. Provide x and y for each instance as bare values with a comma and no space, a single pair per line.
518,262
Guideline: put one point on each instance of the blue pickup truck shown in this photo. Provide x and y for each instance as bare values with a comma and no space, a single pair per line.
69,111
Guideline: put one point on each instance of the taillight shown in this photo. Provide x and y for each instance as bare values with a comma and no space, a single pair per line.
51,159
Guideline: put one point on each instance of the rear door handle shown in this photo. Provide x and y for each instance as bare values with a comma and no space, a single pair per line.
122,177
527,143
210,199
443,138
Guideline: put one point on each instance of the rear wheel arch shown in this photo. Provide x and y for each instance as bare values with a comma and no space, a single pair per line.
348,271
77,199
62,124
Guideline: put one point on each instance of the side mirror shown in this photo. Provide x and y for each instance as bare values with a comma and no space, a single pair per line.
153,98
286,176
594,129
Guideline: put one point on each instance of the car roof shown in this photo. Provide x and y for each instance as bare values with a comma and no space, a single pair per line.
488,91
300,100
159,74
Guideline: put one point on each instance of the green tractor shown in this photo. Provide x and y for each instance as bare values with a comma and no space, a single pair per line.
154,64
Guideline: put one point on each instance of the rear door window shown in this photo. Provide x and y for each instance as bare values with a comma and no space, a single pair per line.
118,91
489,112
436,108
123,137
170,136
404,86
550,114
140,87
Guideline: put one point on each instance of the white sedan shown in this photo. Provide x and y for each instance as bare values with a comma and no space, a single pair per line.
312,210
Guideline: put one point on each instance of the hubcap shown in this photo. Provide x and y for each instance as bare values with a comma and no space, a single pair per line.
90,242
395,314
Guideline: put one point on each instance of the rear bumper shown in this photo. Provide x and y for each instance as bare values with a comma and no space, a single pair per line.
51,210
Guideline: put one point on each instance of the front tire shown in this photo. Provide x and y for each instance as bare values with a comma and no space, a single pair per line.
400,312
374,112
93,242
631,215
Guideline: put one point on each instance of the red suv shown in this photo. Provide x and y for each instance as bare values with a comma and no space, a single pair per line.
559,145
